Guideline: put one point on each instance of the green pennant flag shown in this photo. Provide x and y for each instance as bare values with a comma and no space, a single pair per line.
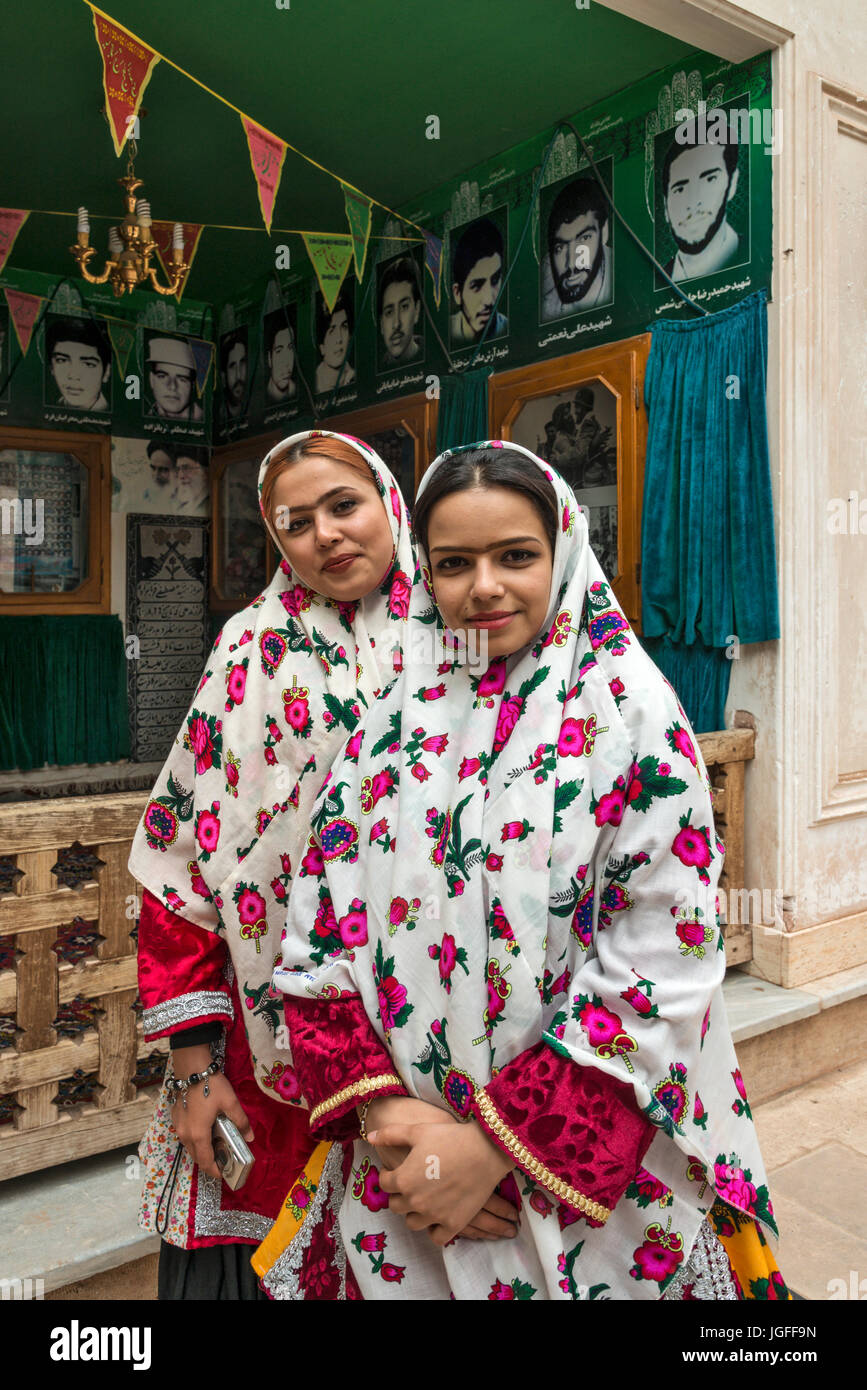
358,215
330,256
122,339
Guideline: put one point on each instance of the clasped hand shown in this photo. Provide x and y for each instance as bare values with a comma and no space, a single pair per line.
445,1183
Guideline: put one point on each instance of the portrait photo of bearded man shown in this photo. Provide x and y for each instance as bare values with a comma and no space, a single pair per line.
698,182
576,266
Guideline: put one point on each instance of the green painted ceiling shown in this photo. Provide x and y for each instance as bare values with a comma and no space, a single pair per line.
350,82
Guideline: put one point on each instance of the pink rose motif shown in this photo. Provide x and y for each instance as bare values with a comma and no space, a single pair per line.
271,756
197,883
353,927
288,1086
208,829
733,1186
392,997
313,863
325,922
297,713
459,887
656,1262
353,747
494,863
468,767
274,730
691,933
393,1274
572,740
500,1292
433,692
379,828
201,743
739,1083
373,1243
232,774
236,682
395,503
664,769
174,899
251,907
649,1186
691,846
539,1202
420,772
634,786
496,1003
373,1196
599,1024
399,595
502,925
278,888
514,830
296,600
510,713
610,807
616,686
448,957
381,783
684,745
494,679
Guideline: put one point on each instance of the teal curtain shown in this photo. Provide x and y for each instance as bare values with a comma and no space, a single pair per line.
463,409
707,537
62,691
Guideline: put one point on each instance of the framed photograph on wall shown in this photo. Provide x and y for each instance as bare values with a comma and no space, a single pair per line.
584,414
243,558
403,433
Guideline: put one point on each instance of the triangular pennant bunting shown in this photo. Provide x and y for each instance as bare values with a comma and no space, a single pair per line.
122,340
163,233
127,64
24,309
11,222
204,355
358,216
330,256
433,259
267,153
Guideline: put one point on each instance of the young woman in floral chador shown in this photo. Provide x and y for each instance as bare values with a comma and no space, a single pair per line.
522,932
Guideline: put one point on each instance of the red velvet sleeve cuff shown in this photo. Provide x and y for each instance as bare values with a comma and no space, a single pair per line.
339,1061
181,972
575,1130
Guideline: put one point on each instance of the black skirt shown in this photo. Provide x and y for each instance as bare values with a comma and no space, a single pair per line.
215,1272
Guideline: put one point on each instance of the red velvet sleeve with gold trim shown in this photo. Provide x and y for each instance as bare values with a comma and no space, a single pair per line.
181,972
575,1130
339,1061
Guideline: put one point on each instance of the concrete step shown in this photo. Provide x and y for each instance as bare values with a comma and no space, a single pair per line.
65,1224
788,1037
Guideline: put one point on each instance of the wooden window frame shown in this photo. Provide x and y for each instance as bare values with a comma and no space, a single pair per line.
93,451
620,367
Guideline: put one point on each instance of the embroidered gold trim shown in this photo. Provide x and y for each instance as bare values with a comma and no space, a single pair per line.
524,1159
358,1088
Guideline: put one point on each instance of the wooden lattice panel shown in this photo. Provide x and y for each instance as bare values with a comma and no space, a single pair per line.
41,1134
726,754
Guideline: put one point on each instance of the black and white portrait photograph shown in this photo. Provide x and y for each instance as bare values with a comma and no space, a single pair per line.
576,265
234,359
280,354
332,333
479,254
399,312
78,362
576,432
702,200
170,378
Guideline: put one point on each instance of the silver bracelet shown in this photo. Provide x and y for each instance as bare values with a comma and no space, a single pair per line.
178,1086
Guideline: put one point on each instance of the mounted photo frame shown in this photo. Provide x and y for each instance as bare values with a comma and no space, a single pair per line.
584,414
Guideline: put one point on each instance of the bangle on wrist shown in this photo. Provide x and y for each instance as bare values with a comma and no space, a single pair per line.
362,1117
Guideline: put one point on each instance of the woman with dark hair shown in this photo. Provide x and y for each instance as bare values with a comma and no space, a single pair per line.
526,939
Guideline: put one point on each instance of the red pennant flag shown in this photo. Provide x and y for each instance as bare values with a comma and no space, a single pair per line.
127,64
163,233
24,309
11,222
267,153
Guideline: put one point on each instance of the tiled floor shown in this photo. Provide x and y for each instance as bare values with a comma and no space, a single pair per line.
814,1141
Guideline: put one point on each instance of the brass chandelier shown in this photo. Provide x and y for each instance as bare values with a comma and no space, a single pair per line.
130,246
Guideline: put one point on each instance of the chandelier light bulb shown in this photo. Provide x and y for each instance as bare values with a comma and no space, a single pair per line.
143,212
115,245
178,237
83,222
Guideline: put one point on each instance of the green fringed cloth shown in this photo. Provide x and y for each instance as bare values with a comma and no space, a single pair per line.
62,691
